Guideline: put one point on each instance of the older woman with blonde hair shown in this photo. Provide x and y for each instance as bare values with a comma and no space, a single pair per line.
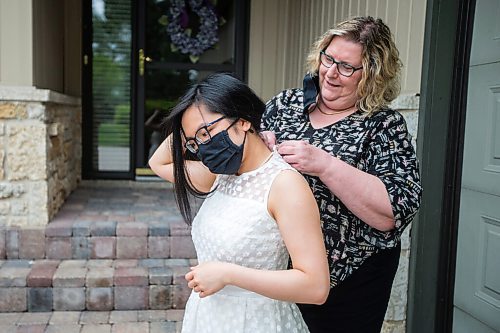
357,157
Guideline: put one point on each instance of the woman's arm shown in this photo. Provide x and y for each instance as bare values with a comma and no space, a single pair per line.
363,194
162,164
387,195
293,206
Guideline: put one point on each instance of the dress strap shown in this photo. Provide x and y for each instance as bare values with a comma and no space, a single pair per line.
280,166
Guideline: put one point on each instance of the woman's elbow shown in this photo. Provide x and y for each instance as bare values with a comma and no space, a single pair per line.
321,292
386,226
158,169
153,165
321,296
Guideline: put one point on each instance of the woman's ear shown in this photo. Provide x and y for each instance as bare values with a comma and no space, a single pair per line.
245,125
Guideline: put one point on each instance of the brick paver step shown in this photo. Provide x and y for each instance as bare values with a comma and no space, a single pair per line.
142,321
97,284
97,240
105,222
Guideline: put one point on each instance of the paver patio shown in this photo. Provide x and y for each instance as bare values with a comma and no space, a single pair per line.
112,260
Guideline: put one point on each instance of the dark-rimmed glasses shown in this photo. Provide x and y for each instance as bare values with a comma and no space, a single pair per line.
201,136
343,68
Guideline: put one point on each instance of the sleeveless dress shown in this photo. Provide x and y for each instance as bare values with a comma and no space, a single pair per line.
233,225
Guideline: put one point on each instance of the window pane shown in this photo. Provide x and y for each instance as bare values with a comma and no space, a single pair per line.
159,42
111,65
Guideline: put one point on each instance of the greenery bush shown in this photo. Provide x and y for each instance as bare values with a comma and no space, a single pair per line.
122,114
116,135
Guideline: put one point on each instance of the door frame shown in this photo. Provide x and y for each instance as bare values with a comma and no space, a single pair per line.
443,104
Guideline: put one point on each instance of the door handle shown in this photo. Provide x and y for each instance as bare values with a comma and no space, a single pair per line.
142,59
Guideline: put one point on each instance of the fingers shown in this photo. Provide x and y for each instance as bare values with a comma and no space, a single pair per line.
293,143
202,293
195,286
269,138
192,284
291,147
291,154
205,293
189,276
291,159
288,149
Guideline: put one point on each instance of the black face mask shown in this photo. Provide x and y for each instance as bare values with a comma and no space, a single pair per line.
311,89
220,155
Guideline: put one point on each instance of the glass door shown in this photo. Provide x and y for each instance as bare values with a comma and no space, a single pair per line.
178,43
107,88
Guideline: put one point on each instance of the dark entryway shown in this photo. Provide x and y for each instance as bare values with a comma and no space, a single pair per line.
139,57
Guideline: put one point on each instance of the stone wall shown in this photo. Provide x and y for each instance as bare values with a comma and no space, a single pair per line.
395,317
40,153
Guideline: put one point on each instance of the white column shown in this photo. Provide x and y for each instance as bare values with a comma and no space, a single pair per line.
16,43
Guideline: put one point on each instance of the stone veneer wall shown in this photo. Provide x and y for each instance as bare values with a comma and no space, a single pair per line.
40,153
395,317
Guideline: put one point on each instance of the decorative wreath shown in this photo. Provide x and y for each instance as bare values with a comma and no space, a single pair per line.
180,34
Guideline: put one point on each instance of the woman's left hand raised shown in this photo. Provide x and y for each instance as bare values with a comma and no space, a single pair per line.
207,278
305,157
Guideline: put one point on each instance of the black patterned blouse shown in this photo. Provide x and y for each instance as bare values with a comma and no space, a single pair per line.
379,145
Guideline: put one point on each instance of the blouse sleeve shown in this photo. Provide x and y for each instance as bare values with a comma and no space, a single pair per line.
391,157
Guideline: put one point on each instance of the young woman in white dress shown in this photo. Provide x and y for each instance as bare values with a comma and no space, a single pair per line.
258,213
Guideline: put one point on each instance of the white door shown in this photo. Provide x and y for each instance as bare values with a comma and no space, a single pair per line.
477,284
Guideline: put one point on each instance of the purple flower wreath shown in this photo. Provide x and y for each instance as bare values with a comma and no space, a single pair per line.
179,33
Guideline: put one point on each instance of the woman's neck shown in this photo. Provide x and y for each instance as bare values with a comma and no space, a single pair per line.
320,115
327,108
255,154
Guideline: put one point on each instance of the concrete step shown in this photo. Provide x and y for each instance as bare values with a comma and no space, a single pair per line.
97,239
143,321
95,285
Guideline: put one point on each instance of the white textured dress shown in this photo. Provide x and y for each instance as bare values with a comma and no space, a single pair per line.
233,225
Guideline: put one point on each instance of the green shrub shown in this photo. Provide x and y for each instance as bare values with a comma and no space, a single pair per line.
161,104
115,135
122,114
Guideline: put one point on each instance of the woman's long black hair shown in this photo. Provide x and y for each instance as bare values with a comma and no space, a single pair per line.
219,93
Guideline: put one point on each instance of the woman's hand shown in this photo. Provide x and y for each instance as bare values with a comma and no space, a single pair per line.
269,139
208,278
305,157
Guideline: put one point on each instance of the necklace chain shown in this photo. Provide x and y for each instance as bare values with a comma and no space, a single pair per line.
334,112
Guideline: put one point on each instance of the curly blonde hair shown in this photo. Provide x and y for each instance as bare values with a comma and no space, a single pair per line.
379,83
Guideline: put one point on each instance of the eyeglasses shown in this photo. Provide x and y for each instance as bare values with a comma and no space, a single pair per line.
343,68
201,136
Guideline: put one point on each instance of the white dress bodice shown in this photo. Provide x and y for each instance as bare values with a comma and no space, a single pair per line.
234,225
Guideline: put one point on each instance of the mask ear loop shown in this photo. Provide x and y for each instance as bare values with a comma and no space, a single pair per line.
245,137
